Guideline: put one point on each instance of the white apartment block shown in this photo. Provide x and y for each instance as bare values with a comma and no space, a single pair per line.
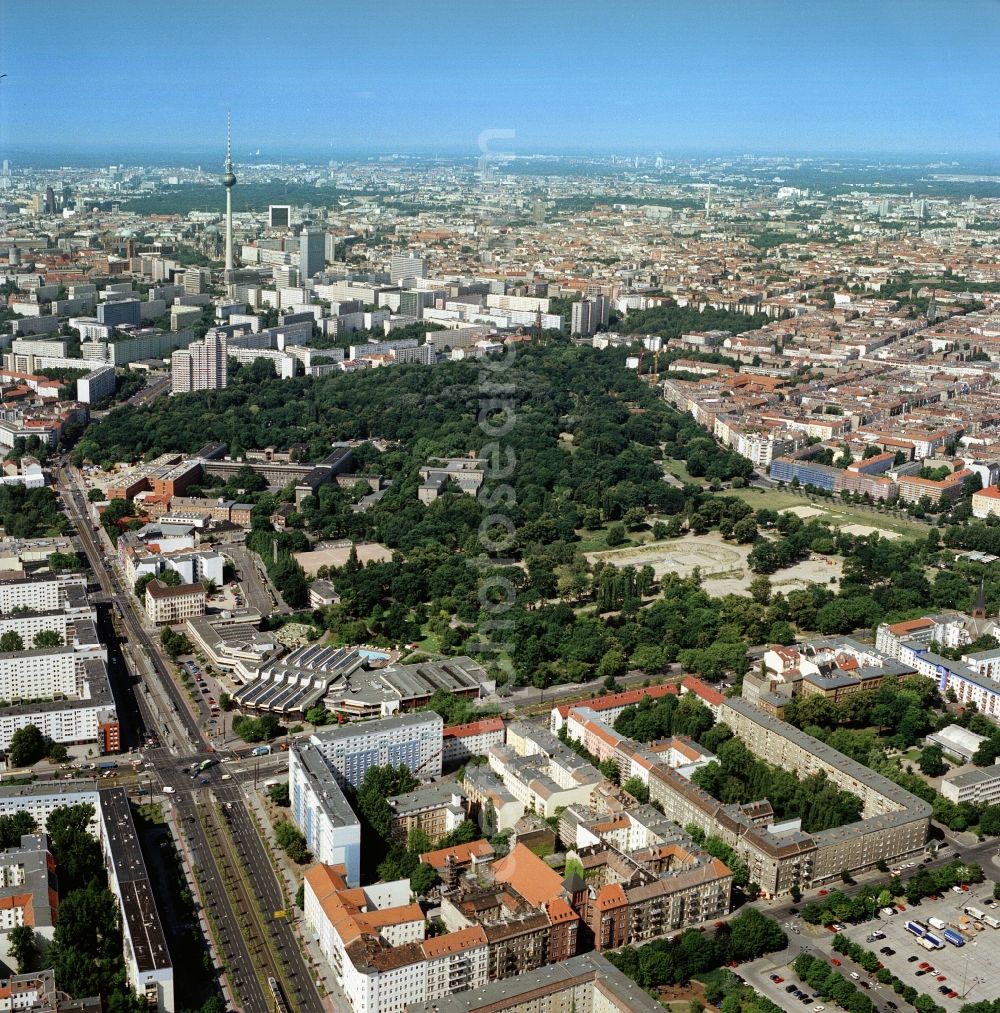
203,365
96,385
978,787
29,593
27,625
320,810
75,722
34,675
412,739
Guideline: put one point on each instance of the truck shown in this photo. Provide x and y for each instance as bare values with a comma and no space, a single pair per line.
935,943
937,923
953,937
108,765
260,751
991,921
916,928
974,912
926,943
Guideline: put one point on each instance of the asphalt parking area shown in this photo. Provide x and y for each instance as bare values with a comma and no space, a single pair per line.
972,970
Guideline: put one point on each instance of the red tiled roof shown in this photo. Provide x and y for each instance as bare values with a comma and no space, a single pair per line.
624,699
493,724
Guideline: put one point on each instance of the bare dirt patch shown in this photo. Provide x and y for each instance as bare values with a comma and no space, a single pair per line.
722,565
337,554
805,512
867,529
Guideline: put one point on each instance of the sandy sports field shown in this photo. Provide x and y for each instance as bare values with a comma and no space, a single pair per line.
337,555
723,566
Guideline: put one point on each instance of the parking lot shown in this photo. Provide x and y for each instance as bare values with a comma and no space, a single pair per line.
972,970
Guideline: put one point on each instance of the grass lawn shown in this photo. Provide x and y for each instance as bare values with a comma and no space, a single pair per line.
597,540
679,470
835,511
429,644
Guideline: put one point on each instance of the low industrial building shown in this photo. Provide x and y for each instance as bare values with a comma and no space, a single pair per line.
977,787
957,742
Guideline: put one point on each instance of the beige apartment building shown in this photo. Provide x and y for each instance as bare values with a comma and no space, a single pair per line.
168,605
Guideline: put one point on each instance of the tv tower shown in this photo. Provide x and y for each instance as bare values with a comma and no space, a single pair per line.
229,181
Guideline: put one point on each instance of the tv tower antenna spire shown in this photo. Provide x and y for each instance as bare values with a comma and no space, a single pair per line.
229,181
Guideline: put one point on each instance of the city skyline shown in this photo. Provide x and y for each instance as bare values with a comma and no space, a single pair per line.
766,77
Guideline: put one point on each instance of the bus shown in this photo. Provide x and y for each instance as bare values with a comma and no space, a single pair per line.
205,764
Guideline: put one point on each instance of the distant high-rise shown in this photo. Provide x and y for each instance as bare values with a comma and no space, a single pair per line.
588,315
312,252
50,201
203,365
403,266
229,181
279,216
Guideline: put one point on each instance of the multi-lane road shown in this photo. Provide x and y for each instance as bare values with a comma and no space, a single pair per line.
223,846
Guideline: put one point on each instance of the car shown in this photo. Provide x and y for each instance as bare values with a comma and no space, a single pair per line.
920,974
823,893
789,989
855,975
942,977
944,990
927,861
913,959
956,889
866,984
773,977
890,952
891,1004
965,889
818,1009
900,908
793,911
924,965
885,950
835,962
204,780
952,994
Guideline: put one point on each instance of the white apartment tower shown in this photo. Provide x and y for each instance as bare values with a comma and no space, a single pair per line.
203,365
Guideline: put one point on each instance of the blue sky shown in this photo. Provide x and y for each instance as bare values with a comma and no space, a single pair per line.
334,76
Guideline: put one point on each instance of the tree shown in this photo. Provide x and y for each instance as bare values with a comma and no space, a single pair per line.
423,879
77,853
47,638
23,947
638,790
418,841
752,934
27,746
14,827
278,794
11,641
931,761
292,842
615,536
